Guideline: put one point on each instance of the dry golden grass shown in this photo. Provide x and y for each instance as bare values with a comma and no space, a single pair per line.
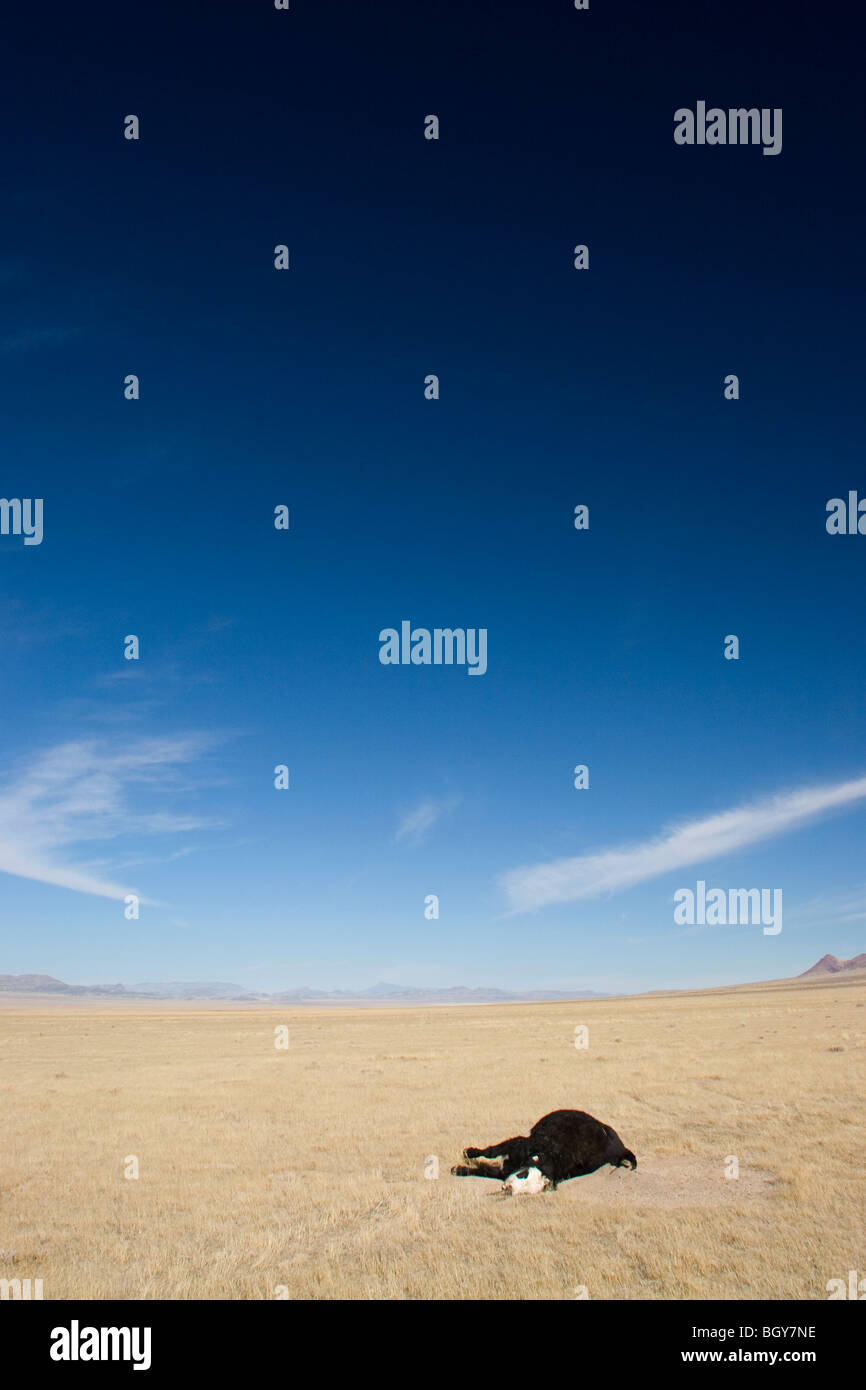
305,1168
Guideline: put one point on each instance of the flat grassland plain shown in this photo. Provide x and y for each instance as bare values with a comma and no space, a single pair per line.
305,1168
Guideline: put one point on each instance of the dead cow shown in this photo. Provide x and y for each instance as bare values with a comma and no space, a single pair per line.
564,1144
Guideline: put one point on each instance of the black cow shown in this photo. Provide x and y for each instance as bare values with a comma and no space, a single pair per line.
564,1144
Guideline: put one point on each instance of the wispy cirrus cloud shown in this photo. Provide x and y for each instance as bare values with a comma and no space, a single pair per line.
415,824
830,909
610,871
78,793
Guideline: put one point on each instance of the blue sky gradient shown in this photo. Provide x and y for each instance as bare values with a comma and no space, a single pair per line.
558,387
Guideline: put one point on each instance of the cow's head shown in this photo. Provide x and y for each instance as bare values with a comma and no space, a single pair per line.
528,1180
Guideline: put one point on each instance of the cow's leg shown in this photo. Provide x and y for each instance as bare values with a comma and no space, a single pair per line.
480,1163
494,1150
479,1170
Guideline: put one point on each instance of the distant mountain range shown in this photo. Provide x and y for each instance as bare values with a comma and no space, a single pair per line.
831,965
46,984
380,993
211,989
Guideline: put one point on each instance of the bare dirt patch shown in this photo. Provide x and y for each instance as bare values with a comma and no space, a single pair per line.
666,1181
673,1181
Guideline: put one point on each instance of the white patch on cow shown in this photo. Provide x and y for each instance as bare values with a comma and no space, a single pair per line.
529,1180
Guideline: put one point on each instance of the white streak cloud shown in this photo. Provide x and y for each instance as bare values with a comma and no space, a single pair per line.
77,793
610,871
416,823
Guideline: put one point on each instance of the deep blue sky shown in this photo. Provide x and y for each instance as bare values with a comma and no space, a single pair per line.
558,387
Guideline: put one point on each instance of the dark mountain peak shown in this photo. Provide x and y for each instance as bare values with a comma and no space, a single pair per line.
831,965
